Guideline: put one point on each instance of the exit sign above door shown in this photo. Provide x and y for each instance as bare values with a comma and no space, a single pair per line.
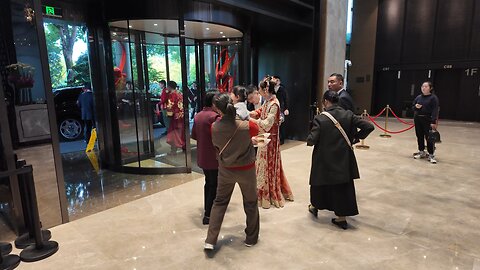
50,11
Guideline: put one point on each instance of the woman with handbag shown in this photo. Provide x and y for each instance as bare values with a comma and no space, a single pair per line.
233,139
334,166
425,118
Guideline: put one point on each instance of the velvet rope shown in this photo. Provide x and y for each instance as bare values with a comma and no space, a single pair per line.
375,117
398,118
392,132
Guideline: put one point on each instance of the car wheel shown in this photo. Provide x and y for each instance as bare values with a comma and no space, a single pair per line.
70,129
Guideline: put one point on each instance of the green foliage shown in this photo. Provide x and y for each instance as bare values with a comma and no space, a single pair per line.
55,55
82,70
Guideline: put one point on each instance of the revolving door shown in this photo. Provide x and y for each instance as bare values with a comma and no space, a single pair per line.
154,110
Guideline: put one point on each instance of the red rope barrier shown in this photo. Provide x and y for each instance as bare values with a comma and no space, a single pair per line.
375,117
398,118
392,132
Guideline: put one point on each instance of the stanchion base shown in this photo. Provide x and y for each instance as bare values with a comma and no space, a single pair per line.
385,135
10,262
364,147
24,240
32,254
5,248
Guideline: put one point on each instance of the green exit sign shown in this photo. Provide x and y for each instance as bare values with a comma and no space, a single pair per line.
52,11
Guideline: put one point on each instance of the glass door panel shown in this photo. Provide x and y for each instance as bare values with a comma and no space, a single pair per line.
151,125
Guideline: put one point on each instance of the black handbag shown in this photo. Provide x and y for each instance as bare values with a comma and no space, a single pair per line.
434,136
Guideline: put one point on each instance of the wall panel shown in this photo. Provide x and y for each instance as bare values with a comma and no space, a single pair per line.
452,31
419,30
389,32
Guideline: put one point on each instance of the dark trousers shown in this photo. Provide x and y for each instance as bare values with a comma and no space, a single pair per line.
247,181
422,127
87,129
209,190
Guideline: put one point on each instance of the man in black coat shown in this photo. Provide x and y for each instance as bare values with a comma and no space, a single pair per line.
334,165
335,83
85,102
282,97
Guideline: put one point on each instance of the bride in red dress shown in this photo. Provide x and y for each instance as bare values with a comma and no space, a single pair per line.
272,185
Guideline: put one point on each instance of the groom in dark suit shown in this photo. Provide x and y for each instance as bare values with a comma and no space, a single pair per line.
335,83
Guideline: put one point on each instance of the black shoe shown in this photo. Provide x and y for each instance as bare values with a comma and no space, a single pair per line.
247,244
312,209
341,224
206,220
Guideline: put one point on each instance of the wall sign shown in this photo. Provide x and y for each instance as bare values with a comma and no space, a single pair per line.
50,11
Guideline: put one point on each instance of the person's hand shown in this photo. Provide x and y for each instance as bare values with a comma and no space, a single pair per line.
418,106
254,140
253,114
434,126
286,112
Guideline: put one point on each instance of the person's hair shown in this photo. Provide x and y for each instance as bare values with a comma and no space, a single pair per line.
331,96
223,102
163,81
250,89
429,84
209,97
87,85
240,92
268,84
172,84
276,77
338,76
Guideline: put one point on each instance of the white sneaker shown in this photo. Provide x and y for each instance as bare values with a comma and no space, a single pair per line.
208,246
420,155
432,159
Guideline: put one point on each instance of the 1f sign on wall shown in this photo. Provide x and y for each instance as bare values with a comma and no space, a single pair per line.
471,71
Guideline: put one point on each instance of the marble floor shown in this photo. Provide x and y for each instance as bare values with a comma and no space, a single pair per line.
413,215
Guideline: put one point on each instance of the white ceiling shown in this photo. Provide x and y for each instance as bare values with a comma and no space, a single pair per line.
194,30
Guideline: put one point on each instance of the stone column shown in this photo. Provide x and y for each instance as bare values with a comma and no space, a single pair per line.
333,29
362,53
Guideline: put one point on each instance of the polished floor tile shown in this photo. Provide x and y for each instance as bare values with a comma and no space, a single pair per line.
413,215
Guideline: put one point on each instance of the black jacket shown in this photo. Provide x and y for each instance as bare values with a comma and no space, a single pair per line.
282,98
346,101
333,161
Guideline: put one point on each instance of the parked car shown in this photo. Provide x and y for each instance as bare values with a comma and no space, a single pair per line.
69,116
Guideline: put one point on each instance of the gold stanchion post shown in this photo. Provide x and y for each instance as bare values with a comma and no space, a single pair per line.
362,144
385,135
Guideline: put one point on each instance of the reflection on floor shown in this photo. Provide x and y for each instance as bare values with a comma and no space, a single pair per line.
413,215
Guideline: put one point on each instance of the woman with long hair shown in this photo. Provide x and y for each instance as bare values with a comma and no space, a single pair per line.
273,188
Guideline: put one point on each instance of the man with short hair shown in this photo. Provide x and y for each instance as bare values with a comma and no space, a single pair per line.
335,83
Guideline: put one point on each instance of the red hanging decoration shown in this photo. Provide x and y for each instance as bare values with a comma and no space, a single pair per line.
223,78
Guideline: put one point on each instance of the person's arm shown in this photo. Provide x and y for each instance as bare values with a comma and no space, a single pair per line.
285,102
434,112
267,123
314,134
364,128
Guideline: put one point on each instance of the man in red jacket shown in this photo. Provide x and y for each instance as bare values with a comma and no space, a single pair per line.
206,155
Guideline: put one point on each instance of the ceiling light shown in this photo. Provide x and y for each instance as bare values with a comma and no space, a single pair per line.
155,24
129,26
224,36
126,38
221,33
218,42
114,33
207,28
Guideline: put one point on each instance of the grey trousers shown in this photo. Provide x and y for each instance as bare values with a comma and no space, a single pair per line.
247,181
